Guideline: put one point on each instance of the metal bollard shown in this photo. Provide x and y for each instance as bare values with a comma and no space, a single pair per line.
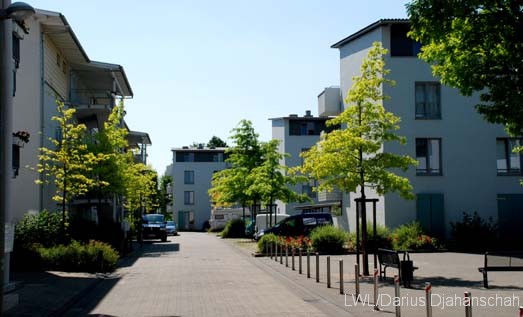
521,311
357,279
428,296
468,305
270,250
266,249
286,257
317,267
281,254
276,252
299,261
341,277
376,307
397,294
328,272
308,264
293,267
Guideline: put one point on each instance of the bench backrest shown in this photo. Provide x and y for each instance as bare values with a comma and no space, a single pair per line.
388,256
504,259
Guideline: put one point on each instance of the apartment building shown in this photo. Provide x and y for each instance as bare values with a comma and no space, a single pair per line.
465,163
192,171
296,135
52,65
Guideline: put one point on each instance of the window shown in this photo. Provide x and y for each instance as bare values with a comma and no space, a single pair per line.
309,127
188,177
188,157
428,154
308,187
508,162
427,96
400,43
188,198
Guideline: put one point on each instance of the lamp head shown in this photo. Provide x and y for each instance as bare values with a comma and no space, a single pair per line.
18,11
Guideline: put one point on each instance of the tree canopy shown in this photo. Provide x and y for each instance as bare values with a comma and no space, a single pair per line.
216,142
476,46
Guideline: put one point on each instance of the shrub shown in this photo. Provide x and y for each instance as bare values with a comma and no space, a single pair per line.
44,228
411,237
234,229
474,233
265,240
94,256
383,237
328,239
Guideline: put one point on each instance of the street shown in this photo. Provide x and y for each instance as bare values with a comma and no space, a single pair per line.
198,274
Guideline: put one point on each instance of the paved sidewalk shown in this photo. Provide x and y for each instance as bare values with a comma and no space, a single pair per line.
451,274
198,274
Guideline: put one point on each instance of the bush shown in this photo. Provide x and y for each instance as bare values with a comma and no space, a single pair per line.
44,228
383,237
234,229
265,240
92,257
328,239
474,234
411,237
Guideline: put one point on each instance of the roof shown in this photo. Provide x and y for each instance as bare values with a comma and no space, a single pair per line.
194,149
303,118
136,137
99,75
368,29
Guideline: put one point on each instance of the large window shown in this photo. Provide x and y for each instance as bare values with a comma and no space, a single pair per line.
309,127
508,162
188,177
188,198
428,104
428,154
400,43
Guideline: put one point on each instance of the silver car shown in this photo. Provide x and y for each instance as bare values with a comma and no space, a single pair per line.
171,228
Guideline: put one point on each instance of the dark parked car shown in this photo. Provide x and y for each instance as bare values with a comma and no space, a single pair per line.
297,225
171,228
154,226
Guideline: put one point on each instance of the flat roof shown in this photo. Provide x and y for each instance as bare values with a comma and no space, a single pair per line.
194,149
303,118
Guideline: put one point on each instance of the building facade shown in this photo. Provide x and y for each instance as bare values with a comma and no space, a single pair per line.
51,65
192,171
465,163
295,135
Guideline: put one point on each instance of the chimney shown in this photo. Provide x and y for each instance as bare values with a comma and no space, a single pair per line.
308,114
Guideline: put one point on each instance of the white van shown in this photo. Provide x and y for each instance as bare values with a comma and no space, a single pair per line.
220,216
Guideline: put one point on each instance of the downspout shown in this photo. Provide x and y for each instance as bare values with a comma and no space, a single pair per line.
42,109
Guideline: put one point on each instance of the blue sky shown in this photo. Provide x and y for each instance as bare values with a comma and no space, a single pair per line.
199,67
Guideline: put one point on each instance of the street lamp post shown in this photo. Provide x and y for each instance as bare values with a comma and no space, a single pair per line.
17,11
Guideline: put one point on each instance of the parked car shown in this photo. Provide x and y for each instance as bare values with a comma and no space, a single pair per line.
297,225
154,226
170,227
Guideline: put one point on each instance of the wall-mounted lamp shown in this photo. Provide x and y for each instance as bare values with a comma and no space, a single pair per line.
18,11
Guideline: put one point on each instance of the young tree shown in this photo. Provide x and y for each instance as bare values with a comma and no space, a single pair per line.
230,186
165,197
352,158
69,164
475,46
270,181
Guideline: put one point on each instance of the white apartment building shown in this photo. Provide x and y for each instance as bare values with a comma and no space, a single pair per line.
192,171
296,135
465,163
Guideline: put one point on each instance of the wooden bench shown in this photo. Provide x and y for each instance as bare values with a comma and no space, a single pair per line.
506,261
390,258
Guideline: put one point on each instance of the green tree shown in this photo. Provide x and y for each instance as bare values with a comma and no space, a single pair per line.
231,185
69,164
476,46
352,157
165,197
216,142
270,181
